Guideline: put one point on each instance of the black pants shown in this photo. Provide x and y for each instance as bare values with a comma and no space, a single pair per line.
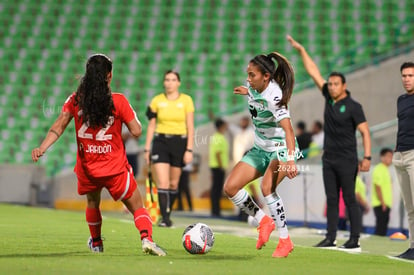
382,219
184,188
216,190
341,173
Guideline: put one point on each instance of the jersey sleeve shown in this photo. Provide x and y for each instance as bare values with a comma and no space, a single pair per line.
69,105
126,112
278,112
358,114
377,176
281,113
153,105
189,106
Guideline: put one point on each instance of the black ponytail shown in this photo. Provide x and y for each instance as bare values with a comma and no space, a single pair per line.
283,74
93,94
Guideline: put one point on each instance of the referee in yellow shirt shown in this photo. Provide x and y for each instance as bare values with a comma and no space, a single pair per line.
170,139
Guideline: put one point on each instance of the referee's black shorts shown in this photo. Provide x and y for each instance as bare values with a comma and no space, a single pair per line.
169,149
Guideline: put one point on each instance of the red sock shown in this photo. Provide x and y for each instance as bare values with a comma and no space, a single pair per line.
143,223
94,220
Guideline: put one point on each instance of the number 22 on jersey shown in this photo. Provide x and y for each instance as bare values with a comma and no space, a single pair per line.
101,135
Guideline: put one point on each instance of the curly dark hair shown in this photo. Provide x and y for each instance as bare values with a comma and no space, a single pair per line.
283,74
94,95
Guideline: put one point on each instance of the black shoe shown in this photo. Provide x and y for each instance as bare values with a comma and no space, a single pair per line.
327,243
408,254
352,245
163,223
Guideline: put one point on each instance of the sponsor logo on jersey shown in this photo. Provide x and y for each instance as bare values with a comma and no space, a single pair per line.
257,105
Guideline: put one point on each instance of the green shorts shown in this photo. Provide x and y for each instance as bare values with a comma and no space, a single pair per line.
260,159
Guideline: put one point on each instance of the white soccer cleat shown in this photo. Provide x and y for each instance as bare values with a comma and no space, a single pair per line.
94,249
149,247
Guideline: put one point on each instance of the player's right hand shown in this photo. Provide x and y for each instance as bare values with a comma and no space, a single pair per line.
241,90
36,154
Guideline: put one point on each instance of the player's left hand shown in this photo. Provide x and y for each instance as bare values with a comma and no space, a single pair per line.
241,90
365,165
188,157
36,154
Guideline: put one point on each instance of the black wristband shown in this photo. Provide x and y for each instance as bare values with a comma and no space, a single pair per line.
146,151
367,157
189,150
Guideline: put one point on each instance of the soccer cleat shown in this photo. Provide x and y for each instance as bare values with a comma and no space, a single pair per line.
266,226
95,249
327,244
149,247
284,247
351,246
408,254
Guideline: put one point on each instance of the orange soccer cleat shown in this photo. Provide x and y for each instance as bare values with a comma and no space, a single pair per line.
267,225
283,249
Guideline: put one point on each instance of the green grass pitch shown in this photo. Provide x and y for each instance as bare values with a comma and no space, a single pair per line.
46,241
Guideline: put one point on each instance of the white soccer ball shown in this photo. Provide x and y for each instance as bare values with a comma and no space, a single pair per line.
198,238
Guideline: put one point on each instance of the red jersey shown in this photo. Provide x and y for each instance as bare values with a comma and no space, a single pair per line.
101,151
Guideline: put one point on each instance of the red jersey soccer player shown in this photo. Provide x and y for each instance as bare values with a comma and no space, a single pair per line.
101,160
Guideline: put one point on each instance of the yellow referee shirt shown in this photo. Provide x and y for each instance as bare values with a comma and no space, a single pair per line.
171,114
218,144
381,177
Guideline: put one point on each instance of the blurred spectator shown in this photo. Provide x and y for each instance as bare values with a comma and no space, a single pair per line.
316,146
381,196
218,162
317,133
303,137
243,139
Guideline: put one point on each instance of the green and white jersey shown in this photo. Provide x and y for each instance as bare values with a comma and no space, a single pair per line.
266,115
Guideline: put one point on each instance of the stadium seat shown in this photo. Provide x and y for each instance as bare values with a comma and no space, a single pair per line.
44,44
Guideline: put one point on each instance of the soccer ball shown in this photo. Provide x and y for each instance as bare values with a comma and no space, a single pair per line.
198,238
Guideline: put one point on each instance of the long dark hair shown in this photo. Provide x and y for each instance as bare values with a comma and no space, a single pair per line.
283,74
93,94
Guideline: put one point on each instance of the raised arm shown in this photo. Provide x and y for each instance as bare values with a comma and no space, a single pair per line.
308,63
52,136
